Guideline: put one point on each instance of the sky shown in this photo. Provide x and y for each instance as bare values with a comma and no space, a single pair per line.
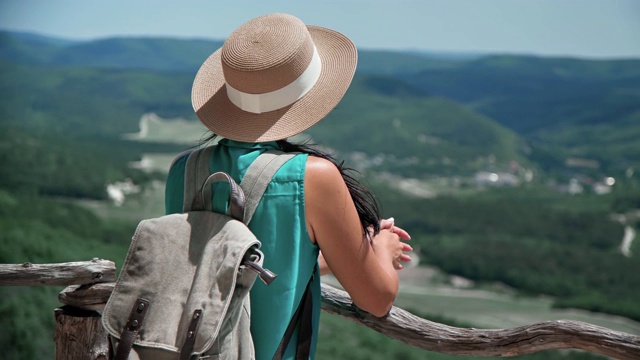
575,28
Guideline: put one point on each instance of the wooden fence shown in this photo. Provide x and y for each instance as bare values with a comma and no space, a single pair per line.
79,333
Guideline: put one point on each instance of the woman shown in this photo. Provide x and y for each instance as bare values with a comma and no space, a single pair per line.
273,78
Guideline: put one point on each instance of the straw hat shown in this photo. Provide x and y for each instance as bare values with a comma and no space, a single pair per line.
273,78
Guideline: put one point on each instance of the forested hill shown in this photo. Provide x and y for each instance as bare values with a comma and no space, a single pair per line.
560,107
577,107
160,54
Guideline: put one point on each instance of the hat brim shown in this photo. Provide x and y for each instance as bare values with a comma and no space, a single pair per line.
214,109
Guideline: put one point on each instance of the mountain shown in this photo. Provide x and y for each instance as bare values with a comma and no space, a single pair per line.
377,110
81,101
559,107
582,108
161,54
547,88
182,55
29,48
393,63
139,53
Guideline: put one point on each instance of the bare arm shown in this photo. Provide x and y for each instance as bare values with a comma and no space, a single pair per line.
384,224
367,271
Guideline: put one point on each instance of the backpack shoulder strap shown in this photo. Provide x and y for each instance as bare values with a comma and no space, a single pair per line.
254,183
195,174
258,177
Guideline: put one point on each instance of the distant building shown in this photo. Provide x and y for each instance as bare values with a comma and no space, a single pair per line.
118,191
484,178
572,188
582,163
601,189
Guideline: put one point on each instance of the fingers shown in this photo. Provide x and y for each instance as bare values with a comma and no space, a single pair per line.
390,224
386,223
402,233
404,258
397,264
400,256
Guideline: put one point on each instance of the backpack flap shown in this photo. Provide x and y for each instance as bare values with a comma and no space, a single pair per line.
179,279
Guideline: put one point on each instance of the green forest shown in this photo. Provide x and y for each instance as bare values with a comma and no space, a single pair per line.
531,240
40,224
63,111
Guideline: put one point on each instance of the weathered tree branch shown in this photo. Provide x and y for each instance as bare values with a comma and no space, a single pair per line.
61,274
399,324
412,330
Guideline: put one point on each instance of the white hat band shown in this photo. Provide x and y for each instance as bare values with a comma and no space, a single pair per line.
277,99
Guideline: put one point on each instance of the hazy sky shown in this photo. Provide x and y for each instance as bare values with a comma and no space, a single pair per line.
586,28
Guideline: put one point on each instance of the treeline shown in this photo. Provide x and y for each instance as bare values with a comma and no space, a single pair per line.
70,167
81,102
537,243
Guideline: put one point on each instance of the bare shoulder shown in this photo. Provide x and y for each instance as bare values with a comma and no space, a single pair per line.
319,166
322,177
326,195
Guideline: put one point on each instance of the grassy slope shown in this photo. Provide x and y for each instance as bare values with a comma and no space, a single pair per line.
87,101
380,115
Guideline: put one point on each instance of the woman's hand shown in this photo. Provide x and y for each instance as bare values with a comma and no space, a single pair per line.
385,224
389,224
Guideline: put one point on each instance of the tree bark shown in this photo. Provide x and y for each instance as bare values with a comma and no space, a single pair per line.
79,335
412,330
88,296
62,274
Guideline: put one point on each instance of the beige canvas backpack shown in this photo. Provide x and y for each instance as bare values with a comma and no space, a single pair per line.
183,289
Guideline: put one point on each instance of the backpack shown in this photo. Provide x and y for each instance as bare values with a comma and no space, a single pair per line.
183,291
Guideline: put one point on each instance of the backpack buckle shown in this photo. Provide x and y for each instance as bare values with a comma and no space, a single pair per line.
265,275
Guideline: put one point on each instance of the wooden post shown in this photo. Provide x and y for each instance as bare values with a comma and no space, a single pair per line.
79,335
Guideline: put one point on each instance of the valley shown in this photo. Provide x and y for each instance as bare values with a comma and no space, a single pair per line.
517,177
423,287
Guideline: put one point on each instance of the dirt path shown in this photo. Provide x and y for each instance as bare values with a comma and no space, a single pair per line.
145,119
627,239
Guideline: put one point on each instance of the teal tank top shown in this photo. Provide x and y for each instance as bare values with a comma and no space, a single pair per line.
279,223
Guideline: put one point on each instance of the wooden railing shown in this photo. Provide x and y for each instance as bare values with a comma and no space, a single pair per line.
79,333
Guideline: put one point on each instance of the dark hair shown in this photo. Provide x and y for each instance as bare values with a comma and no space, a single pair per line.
365,202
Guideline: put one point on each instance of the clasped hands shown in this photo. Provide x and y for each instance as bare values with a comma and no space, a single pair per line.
389,238
398,248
